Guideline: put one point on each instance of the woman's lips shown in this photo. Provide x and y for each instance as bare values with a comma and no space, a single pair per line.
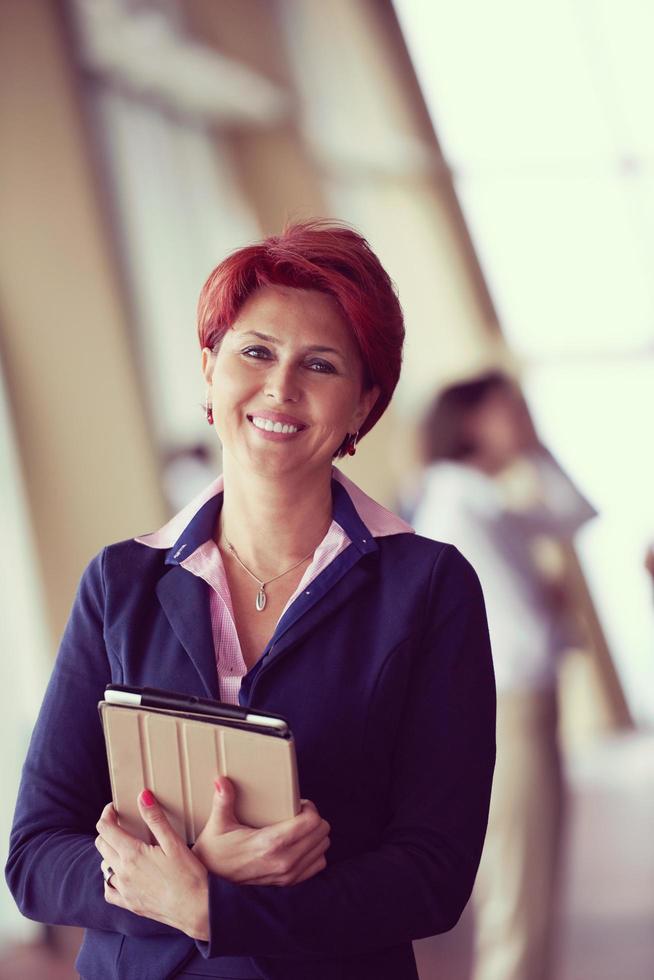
276,426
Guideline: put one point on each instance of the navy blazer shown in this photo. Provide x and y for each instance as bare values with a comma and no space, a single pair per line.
382,668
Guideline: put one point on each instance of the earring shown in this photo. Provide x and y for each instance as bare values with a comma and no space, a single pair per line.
352,444
208,408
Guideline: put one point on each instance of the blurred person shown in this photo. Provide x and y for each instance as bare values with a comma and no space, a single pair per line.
472,436
282,586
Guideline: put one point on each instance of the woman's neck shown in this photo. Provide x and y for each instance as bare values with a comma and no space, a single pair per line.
272,522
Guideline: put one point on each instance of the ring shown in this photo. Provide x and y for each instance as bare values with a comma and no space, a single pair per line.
107,874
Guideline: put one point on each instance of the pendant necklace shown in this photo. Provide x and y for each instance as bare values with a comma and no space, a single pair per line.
262,598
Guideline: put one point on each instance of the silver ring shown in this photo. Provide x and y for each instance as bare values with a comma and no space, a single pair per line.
107,874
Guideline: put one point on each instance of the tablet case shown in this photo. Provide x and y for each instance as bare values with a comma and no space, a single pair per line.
178,756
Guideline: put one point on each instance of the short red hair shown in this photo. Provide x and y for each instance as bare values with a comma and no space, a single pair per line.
330,258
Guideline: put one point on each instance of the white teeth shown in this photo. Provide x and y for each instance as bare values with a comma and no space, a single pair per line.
269,426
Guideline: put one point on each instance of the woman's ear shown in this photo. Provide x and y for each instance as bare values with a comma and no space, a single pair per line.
207,363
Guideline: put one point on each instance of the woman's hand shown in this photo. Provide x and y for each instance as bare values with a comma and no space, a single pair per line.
162,881
281,854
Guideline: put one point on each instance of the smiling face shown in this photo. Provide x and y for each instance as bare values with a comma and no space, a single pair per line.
286,382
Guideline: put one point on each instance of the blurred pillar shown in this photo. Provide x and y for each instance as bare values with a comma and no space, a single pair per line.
591,694
88,462
277,175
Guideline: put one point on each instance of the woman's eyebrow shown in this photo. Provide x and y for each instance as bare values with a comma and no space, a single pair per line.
261,336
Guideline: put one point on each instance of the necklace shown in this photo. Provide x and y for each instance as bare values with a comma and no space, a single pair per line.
262,598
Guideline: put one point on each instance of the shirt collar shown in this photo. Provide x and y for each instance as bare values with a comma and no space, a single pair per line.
361,517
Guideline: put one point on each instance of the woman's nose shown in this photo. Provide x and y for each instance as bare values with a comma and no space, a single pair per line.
282,384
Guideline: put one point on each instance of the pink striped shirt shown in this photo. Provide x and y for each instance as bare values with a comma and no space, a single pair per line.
206,562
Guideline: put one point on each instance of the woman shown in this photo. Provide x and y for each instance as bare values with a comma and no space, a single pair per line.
285,587
473,433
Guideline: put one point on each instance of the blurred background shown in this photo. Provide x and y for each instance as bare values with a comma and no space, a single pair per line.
499,157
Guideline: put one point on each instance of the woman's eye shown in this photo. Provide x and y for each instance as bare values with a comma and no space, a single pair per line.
321,367
256,353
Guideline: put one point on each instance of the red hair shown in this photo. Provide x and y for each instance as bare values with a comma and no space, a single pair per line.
327,257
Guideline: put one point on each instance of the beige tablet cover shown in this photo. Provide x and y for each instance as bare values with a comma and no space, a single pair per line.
178,758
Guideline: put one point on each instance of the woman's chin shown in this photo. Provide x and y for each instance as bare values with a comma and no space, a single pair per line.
284,461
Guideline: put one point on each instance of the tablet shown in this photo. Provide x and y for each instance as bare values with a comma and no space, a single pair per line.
177,744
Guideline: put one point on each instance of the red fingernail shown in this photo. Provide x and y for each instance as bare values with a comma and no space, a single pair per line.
147,798
218,786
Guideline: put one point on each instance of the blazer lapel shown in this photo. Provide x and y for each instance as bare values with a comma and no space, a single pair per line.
185,601
353,578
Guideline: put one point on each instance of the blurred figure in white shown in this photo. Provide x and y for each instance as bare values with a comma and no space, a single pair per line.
477,438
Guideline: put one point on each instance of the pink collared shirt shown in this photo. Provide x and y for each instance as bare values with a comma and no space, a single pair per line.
206,562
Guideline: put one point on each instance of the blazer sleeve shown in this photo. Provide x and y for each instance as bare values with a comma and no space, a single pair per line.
53,870
418,881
